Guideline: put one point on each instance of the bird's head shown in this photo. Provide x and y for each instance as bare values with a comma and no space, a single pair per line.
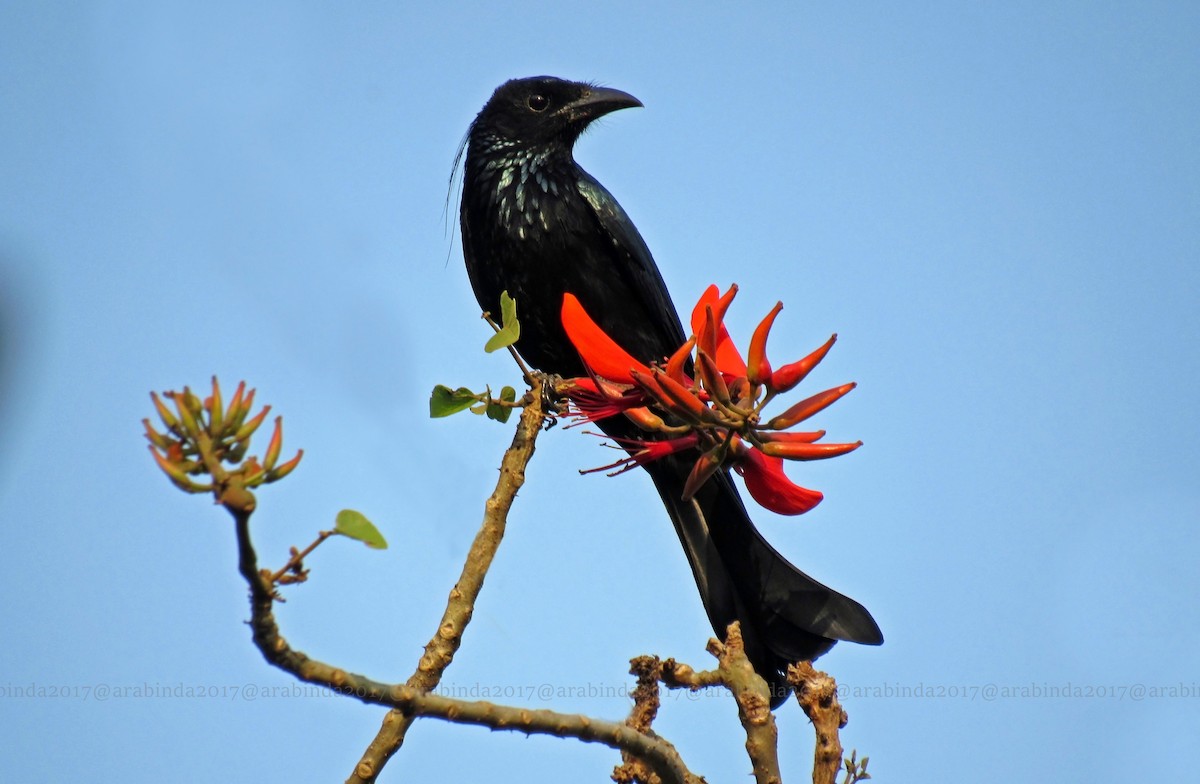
544,111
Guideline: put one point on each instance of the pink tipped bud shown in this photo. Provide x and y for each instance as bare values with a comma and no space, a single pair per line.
177,473
164,413
279,472
158,439
246,430
274,447
187,412
235,402
216,409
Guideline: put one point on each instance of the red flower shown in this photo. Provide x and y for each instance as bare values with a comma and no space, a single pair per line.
718,414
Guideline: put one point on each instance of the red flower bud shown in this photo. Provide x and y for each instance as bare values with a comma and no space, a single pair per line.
678,361
809,406
771,436
644,418
798,450
789,376
674,397
758,369
714,383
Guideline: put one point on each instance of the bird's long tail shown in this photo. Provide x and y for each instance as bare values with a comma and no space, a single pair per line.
786,616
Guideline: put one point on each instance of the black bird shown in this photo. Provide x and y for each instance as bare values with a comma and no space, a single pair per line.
537,225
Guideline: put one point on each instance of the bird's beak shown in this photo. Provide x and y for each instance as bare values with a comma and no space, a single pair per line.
597,102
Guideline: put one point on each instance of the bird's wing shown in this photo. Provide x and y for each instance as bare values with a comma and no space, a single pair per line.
639,271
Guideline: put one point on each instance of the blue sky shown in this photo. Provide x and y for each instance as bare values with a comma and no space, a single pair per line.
996,208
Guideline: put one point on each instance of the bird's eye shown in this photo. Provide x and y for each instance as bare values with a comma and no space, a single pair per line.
538,102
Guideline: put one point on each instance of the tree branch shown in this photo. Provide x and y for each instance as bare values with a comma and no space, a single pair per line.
203,430
461,603
817,694
408,700
646,701
753,698
735,673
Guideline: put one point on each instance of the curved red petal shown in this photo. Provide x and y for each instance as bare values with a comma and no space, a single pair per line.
709,297
678,361
598,351
769,486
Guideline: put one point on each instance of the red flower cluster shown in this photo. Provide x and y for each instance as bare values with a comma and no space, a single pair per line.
706,397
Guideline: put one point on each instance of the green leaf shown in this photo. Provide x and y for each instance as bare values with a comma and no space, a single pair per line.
510,327
446,401
354,525
508,308
502,413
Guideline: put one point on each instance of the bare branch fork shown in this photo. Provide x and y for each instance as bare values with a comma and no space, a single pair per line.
646,757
